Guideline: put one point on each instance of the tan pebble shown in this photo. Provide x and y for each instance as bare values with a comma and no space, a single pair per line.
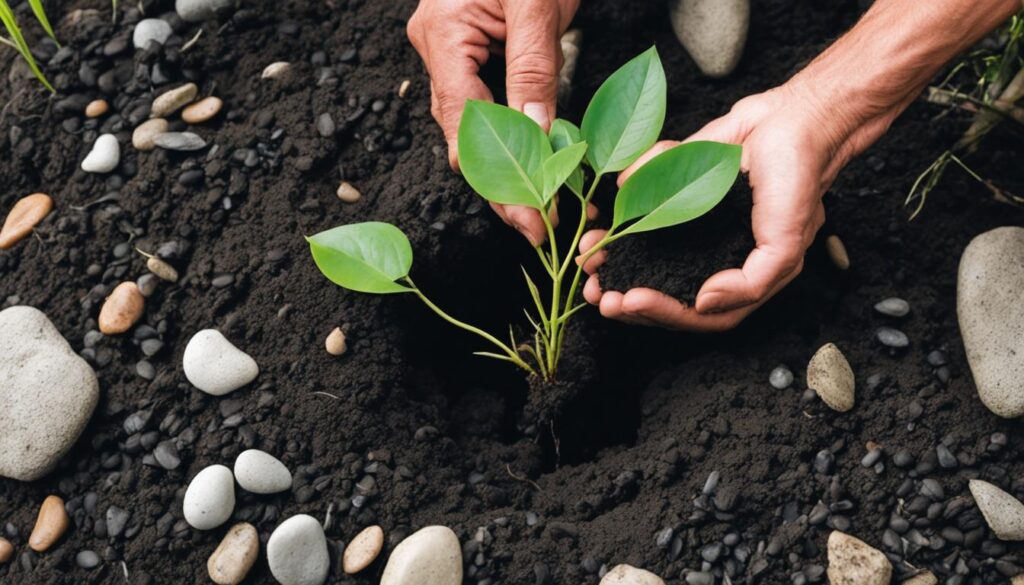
1018,580
837,252
25,215
404,88
50,525
96,108
276,70
172,101
202,110
142,138
348,193
830,375
162,269
235,555
871,446
363,549
6,550
927,578
335,343
122,309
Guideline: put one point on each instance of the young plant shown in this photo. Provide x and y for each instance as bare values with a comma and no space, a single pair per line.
509,160
17,40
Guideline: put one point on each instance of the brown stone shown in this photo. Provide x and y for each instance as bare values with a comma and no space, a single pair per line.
144,135
51,524
202,110
235,555
122,309
6,550
96,108
335,342
24,216
837,252
363,550
348,193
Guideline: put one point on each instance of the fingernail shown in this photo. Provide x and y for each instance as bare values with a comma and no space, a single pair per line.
538,112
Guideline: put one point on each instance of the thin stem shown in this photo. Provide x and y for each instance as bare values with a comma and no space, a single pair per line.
544,260
511,353
9,44
610,237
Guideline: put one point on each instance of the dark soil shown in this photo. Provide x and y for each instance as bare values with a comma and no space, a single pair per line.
614,473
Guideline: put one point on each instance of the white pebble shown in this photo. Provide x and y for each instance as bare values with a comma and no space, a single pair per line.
893,307
261,473
780,378
1003,512
215,366
297,552
210,498
151,30
276,70
431,555
104,156
830,375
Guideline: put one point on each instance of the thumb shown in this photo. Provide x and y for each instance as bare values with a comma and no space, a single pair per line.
533,57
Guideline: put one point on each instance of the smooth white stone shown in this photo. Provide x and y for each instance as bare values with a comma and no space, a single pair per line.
215,366
197,10
210,498
1003,512
627,575
261,473
297,552
430,556
104,156
853,562
149,30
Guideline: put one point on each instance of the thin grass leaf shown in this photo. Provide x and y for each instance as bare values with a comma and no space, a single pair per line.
40,12
535,293
496,356
7,17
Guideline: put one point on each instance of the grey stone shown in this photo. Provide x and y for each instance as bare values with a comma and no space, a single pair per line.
893,307
183,141
151,30
47,394
1003,512
197,10
297,552
713,32
781,378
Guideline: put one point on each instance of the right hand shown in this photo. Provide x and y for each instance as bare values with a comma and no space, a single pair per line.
456,37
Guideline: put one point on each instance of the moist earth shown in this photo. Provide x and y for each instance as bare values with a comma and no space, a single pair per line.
613,471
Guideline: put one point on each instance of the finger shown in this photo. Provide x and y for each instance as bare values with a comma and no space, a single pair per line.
587,242
529,223
592,290
454,68
764,268
592,212
612,307
664,311
533,56
652,152
591,238
500,210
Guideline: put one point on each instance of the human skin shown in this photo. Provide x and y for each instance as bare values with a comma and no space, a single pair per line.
796,138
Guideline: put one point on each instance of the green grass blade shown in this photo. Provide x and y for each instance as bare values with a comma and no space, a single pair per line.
7,17
40,12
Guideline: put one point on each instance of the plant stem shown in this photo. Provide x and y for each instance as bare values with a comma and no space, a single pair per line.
513,356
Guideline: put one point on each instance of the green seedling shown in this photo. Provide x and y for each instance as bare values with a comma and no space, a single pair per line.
17,39
508,159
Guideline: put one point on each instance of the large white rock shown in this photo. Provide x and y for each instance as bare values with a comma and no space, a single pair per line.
261,473
713,32
830,375
210,498
991,314
852,562
104,156
197,10
627,575
1003,512
215,366
149,30
430,556
297,552
47,394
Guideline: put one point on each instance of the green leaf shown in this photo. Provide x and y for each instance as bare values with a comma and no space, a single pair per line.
562,135
365,257
559,167
40,12
502,153
625,116
678,185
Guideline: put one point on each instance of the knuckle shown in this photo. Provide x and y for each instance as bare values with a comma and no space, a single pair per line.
531,69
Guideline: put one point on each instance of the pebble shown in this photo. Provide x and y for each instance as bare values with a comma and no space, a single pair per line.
297,552
991,317
893,307
830,375
852,562
96,108
104,156
1003,512
202,111
628,575
276,70
335,342
235,555
924,578
25,215
182,141
363,549
430,555
87,559
571,42
122,309
210,498
348,193
780,378
51,524
837,252
173,100
6,550
161,269
197,10
143,137
261,473
403,88
47,391
713,32
151,30
893,338
215,366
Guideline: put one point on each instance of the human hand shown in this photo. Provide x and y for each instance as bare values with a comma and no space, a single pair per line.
792,156
456,37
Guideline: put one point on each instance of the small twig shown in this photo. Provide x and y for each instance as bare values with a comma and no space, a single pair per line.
3,40
192,41
124,569
326,394
521,478
327,518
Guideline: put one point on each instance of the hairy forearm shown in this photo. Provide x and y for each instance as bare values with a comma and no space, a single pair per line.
871,74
